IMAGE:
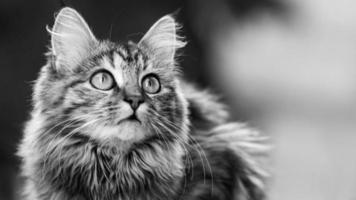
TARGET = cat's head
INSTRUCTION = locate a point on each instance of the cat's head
(108, 91)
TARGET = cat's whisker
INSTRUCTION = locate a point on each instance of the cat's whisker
(67, 124)
(184, 144)
(159, 134)
(199, 150)
(74, 131)
(188, 158)
(44, 165)
(180, 140)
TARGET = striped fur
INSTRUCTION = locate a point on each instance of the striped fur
(78, 146)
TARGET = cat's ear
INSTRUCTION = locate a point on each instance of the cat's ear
(71, 38)
(162, 40)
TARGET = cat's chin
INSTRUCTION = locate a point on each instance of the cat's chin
(126, 131)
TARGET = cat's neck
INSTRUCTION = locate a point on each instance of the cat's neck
(103, 172)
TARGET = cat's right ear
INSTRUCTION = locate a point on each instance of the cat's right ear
(71, 38)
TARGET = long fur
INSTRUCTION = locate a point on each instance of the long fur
(75, 147)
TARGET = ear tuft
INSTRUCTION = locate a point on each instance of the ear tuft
(71, 38)
(162, 40)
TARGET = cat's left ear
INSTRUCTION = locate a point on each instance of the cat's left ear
(162, 41)
(71, 38)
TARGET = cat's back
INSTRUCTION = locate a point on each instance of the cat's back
(224, 156)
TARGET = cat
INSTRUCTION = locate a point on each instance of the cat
(118, 122)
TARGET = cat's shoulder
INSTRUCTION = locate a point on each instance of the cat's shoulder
(205, 108)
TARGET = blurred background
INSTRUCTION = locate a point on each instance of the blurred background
(287, 67)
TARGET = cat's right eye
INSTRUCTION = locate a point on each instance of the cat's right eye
(102, 80)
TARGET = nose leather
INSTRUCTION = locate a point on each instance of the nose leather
(133, 96)
(134, 101)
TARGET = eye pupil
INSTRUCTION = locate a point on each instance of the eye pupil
(102, 80)
(151, 84)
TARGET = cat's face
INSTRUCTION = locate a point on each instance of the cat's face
(107, 91)
(121, 94)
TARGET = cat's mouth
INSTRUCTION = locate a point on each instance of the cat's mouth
(131, 118)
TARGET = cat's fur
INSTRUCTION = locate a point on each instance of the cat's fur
(74, 149)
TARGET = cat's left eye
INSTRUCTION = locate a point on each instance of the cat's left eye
(151, 84)
(102, 80)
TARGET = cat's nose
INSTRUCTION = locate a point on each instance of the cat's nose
(134, 101)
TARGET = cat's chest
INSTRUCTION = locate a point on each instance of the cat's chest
(94, 175)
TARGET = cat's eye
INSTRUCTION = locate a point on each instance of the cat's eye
(151, 84)
(102, 80)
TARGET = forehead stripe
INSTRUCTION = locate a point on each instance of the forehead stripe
(107, 62)
(118, 61)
